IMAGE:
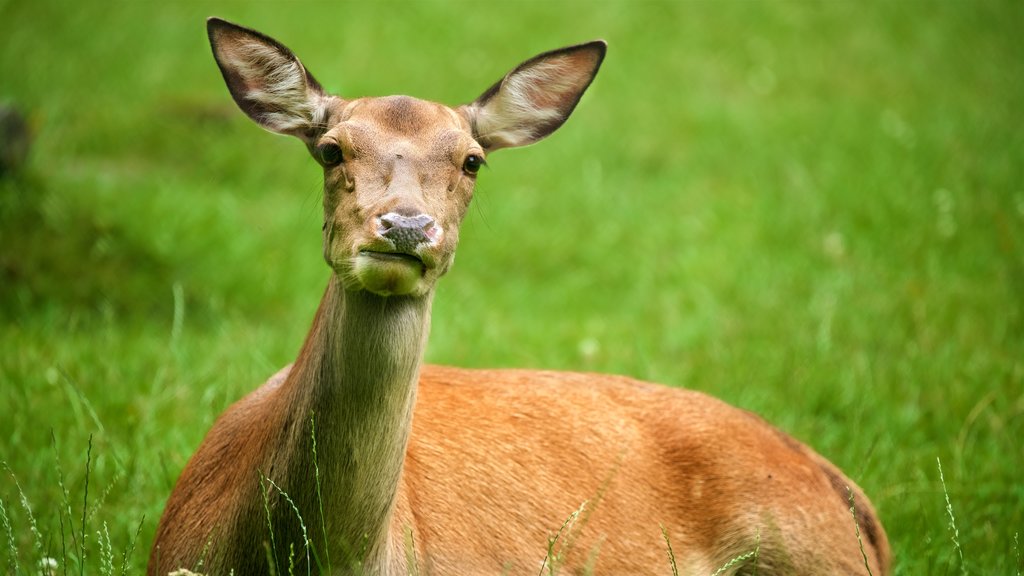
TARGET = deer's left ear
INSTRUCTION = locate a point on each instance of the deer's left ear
(535, 98)
(266, 80)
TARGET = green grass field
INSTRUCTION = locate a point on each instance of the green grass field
(811, 210)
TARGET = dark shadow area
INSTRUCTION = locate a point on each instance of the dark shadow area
(72, 262)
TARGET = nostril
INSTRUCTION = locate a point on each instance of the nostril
(390, 220)
(432, 231)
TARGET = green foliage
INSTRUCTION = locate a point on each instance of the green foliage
(813, 211)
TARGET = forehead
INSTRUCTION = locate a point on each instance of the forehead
(402, 115)
(373, 122)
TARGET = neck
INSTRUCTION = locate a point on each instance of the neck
(356, 378)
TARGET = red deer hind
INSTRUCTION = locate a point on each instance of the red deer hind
(432, 470)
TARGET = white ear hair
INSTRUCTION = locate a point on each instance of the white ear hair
(535, 98)
(266, 80)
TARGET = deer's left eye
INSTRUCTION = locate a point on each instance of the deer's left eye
(473, 163)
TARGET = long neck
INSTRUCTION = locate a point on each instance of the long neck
(356, 379)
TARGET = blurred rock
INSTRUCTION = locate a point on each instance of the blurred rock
(15, 139)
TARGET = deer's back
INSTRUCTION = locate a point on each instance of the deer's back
(507, 456)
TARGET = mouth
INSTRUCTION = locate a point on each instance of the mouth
(390, 273)
(393, 257)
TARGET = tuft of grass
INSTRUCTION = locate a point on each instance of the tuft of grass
(752, 555)
(71, 525)
(553, 559)
(302, 524)
(37, 536)
(12, 559)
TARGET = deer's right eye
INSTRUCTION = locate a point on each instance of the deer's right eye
(329, 154)
(473, 163)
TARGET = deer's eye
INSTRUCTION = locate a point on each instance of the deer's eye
(329, 154)
(473, 163)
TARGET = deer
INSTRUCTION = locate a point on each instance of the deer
(358, 458)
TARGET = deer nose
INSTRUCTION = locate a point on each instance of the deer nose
(407, 232)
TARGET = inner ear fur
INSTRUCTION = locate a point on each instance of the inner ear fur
(266, 80)
(536, 97)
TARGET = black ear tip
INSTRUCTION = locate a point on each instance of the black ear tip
(600, 47)
(215, 27)
(214, 24)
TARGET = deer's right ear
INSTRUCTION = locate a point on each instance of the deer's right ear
(266, 80)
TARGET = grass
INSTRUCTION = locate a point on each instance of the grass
(561, 542)
(955, 532)
(813, 211)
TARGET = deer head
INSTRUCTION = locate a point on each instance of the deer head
(399, 172)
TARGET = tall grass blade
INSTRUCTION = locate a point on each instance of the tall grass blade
(85, 508)
(126, 556)
(66, 503)
(106, 550)
(952, 520)
(63, 544)
(671, 555)
(856, 528)
(319, 498)
(272, 550)
(271, 559)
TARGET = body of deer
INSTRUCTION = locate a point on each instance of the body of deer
(359, 459)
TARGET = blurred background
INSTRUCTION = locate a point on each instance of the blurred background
(811, 210)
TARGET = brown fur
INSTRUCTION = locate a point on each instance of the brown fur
(499, 459)
(445, 471)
